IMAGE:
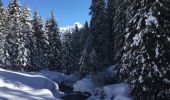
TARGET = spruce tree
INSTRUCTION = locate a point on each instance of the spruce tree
(29, 40)
(2, 35)
(15, 46)
(146, 58)
(67, 55)
(110, 16)
(86, 49)
(84, 35)
(41, 43)
(99, 34)
(76, 46)
(54, 53)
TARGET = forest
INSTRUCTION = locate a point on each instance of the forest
(131, 35)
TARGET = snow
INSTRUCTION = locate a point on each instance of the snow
(120, 97)
(140, 79)
(59, 77)
(78, 24)
(166, 81)
(115, 90)
(168, 39)
(137, 39)
(93, 98)
(55, 76)
(112, 92)
(24, 86)
(151, 19)
(10, 94)
(127, 35)
(157, 50)
(84, 85)
(111, 71)
(71, 28)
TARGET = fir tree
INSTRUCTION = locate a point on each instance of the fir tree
(120, 22)
(76, 46)
(15, 46)
(147, 58)
(29, 40)
(67, 55)
(85, 42)
(41, 43)
(54, 54)
(2, 35)
(99, 34)
(110, 16)
(84, 34)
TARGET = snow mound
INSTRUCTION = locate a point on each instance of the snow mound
(111, 72)
(55, 76)
(59, 77)
(111, 92)
(17, 84)
(39, 94)
(93, 98)
(120, 97)
(115, 90)
(85, 85)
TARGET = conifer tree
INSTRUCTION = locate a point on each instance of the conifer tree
(67, 55)
(99, 34)
(29, 40)
(41, 43)
(76, 46)
(120, 22)
(54, 53)
(84, 34)
(15, 46)
(85, 42)
(110, 16)
(2, 35)
(147, 43)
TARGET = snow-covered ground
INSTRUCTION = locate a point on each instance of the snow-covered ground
(24, 86)
(111, 92)
(86, 85)
(43, 85)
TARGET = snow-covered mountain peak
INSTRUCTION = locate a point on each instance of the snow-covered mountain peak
(71, 28)
(78, 25)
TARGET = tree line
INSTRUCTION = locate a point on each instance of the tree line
(135, 36)
(132, 34)
(29, 45)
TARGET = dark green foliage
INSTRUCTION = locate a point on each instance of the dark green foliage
(146, 57)
(54, 48)
(16, 52)
(29, 39)
(111, 10)
(41, 43)
(67, 55)
(99, 34)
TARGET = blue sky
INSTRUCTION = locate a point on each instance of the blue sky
(67, 11)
